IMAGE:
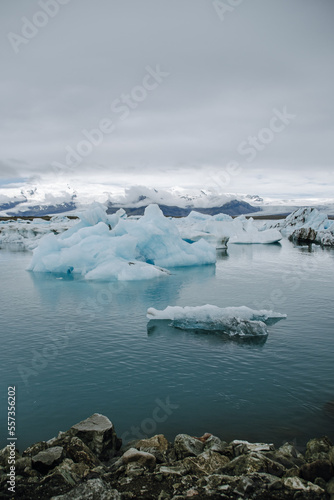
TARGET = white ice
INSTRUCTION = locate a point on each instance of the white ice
(25, 234)
(220, 229)
(112, 247)
(241, 321)
(308, 224)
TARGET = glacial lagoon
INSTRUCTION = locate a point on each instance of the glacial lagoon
(73, 348)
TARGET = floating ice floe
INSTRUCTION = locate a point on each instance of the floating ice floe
(221, 229)
(308, 225)
(25, 234)
(241, 321)
(113, 247)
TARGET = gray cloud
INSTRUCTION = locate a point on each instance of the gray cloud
(225, 79)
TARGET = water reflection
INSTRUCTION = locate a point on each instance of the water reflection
(222, 254)
(13, 247)
(54, 288)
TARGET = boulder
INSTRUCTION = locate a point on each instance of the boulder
(34, 449)
(330, 487)
(208, 462)
(289, 462)
(253, 462)
(297, 484)
(48, 459)
(242, 447)
(78, 451)
(22, 463)
(67, 473)
(318, 449)
(158, 442)
(290, 451)
(98, 433)
(156, 445)
(331, 455)
(319, 468)
(4, 455)
(141, 457)
(93, 489)
(173, 470)
(213, 443)
(218, 483)
(187, 446)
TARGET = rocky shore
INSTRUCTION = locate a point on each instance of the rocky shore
(89, 462)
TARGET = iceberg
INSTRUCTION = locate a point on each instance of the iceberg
(221, 229)
(308, 225)
(113, 247)
(24, 234)
(241, 321)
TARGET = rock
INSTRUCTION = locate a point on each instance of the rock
(293, 472)
(289, 462)
(289, 450)
(208, 462)
(48, 459)
(68, 473)
(78, 451)
(218, 483)
(213, 443)
(134, 469)
(295, 483)
(318, 468)
(242, 447)
(331, 455)
(174, 470)
(272, 482)
(318, 449)
(7, 453)
(156, 445)
(253, 462)
(164, 496)
(98, 433)
(187, 446)
(320, 482)
(203, 438)
(191, 493)
(35, 449)
(245, 485)
(94, 489)
(141, 457)
(330, 487)
(22, 463)
(158, 442)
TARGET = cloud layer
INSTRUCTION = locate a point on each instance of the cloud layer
(169, 92)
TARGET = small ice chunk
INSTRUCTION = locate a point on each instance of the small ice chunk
(241, 321)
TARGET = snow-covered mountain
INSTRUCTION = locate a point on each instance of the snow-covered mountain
(45, 199)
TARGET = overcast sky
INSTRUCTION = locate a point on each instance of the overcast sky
(175, 91)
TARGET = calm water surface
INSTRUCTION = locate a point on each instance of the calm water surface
(73, 348)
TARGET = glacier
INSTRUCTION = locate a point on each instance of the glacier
(114, 247)
(241, 321)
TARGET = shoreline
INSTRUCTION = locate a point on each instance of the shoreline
(89, 461)
(74, 217)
